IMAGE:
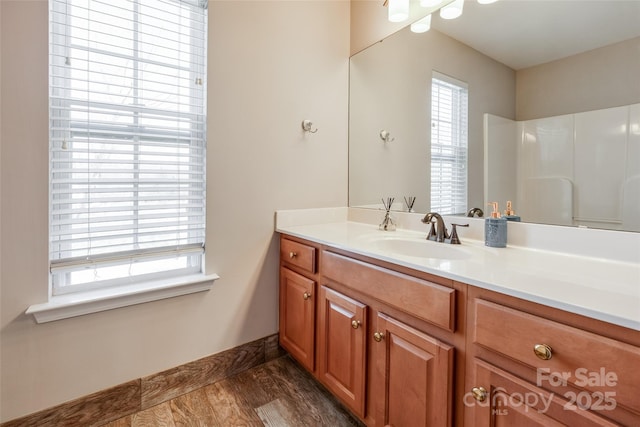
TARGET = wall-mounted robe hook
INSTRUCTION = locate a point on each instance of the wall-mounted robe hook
(307, 125)
(385, 136)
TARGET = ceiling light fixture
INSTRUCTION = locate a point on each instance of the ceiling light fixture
(452, 10)
(487, 1)
(398, 10)
(430, 3)
(422, 26)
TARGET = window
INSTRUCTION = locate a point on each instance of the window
(449, 130)
(127, 141)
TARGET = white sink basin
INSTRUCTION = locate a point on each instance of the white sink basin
(416, 247)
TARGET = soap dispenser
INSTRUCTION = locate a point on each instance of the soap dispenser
(509, 214)
(495, 229)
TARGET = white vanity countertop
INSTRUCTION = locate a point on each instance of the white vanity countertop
(595, 287)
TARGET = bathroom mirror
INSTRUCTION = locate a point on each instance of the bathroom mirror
(566, 60)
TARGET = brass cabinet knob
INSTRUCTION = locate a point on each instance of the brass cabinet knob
(292, 255)
(378, 336)
(543, 351)
(306, 296)
(355, 324)
(479, 393)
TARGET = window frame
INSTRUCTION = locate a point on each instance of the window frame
(449, 154)
(66, 128)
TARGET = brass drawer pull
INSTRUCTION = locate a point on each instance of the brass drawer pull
(292, 255)
(378, 336)
(479, 393)
(543, 351)
(306, 296)
(355, 324)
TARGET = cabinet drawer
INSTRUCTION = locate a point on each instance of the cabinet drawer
(511, 401)
(583, 359)
(298, 254)
(426, 300)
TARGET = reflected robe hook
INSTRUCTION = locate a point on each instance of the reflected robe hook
(386, 136)
(307, 125)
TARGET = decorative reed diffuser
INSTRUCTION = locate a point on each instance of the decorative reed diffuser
(409, 201)
(387, 223)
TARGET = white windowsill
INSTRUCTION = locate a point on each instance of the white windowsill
(78, 304)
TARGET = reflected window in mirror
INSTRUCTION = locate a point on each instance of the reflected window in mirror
(449, 144)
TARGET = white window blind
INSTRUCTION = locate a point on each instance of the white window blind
(449, 130)
(127, 140)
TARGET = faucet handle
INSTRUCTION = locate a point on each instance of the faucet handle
(453, 239)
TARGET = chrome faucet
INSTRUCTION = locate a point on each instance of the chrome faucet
(438, 231)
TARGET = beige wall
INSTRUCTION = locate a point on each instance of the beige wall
(271, 65)
(601, 78)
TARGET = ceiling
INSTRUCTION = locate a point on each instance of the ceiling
(524, 33)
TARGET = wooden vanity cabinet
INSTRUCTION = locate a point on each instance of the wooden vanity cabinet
(366, 332)
(405, 348)
(410, 371)
(297, 316)
(416, 374)
(534, 365)
(297, 299)
(342, 348)
(414, 370)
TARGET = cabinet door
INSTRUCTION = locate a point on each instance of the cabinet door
(498, 399)
(342, 348)
(297, 316)
(418, 374)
